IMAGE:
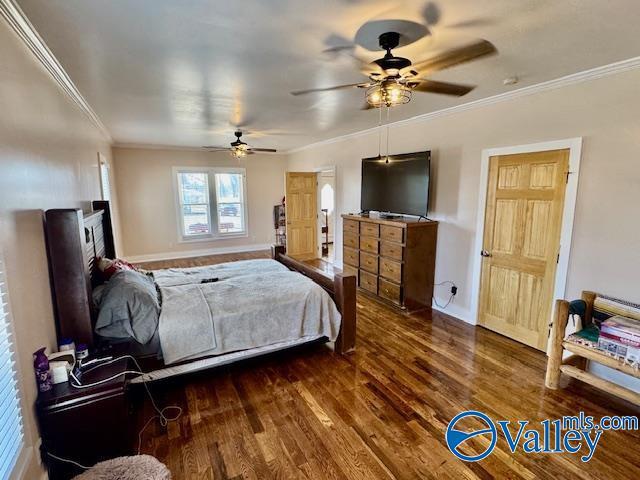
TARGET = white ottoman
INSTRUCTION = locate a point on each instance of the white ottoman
(137, 467)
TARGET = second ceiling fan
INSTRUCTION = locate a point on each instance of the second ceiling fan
(392, 79)
(239, 148)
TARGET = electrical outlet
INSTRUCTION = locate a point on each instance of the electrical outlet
(454, 290)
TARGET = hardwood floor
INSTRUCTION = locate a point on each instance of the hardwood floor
(380, 412)
(324, 265)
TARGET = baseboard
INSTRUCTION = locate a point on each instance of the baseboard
(29, 462)
(456, 312)
(154, 257)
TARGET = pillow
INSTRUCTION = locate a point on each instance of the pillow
(97, 294)
(129, 307)
(108, 267)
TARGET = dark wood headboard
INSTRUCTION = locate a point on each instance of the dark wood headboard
(74, 240)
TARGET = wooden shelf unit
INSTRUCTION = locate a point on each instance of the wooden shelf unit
(557, 366)
(393, 259)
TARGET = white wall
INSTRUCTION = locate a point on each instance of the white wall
(605, 253)
(145, 185)
(48, 159)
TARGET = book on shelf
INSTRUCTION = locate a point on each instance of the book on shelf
(620, 337)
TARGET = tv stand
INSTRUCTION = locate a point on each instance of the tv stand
(393, 259)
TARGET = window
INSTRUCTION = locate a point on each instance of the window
(105, 181)
(10, 415)
(211, 202)
(194, 203)
(326, 198)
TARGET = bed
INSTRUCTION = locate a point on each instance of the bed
(252, 308)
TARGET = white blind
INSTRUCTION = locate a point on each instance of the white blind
(10, 416)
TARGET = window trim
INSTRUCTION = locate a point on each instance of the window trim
(213, 204)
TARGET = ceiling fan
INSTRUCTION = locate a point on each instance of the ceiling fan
(393, 79)
(238, 148)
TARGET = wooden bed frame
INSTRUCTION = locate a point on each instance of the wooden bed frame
(74, 239)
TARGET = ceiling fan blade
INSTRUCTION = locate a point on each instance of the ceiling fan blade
(445, 88)
(326, 89)
(431, 13)
(339, 49)
(372, 70)
(366, 106)
(455, 56)
(336, 43)
(214, 148)
(472, 23)
(272, 150)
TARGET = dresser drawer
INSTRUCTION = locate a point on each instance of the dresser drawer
(369, 229)
(369, 262)
(368, 281)
(350, 257)
(349, 270)
(393, 234)
(350, 226)
(391, 270)
(369, 244)
(350, 240)
(389, 290)
(391, 250)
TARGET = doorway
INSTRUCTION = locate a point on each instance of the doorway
(524, 235)
(326, 180)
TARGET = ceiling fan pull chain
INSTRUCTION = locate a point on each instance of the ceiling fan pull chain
(380, 133)
(388, 108)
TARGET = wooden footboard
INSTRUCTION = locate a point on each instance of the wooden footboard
(342, 289)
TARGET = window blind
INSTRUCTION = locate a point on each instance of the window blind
(11, 434)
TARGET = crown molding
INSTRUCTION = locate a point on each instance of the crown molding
(21, 25)
(574, 78)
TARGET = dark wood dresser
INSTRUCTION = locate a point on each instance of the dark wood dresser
(392, 259)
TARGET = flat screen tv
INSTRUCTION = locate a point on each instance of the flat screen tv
(400, 186)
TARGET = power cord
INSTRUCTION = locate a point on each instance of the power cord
(66, 460)
(161, 412)
(454, 290)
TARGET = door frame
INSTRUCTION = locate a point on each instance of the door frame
(575, 152)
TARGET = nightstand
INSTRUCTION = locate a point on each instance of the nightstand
(86, 425)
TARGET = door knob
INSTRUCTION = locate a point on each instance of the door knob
(484, 253)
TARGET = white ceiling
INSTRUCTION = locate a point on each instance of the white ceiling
(182, 73)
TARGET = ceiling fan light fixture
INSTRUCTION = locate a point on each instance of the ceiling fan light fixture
(388, 94)
(239, 151)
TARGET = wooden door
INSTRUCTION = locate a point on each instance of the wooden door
(523, 219)
(301, 213)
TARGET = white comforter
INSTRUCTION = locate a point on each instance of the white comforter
(252, 305)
